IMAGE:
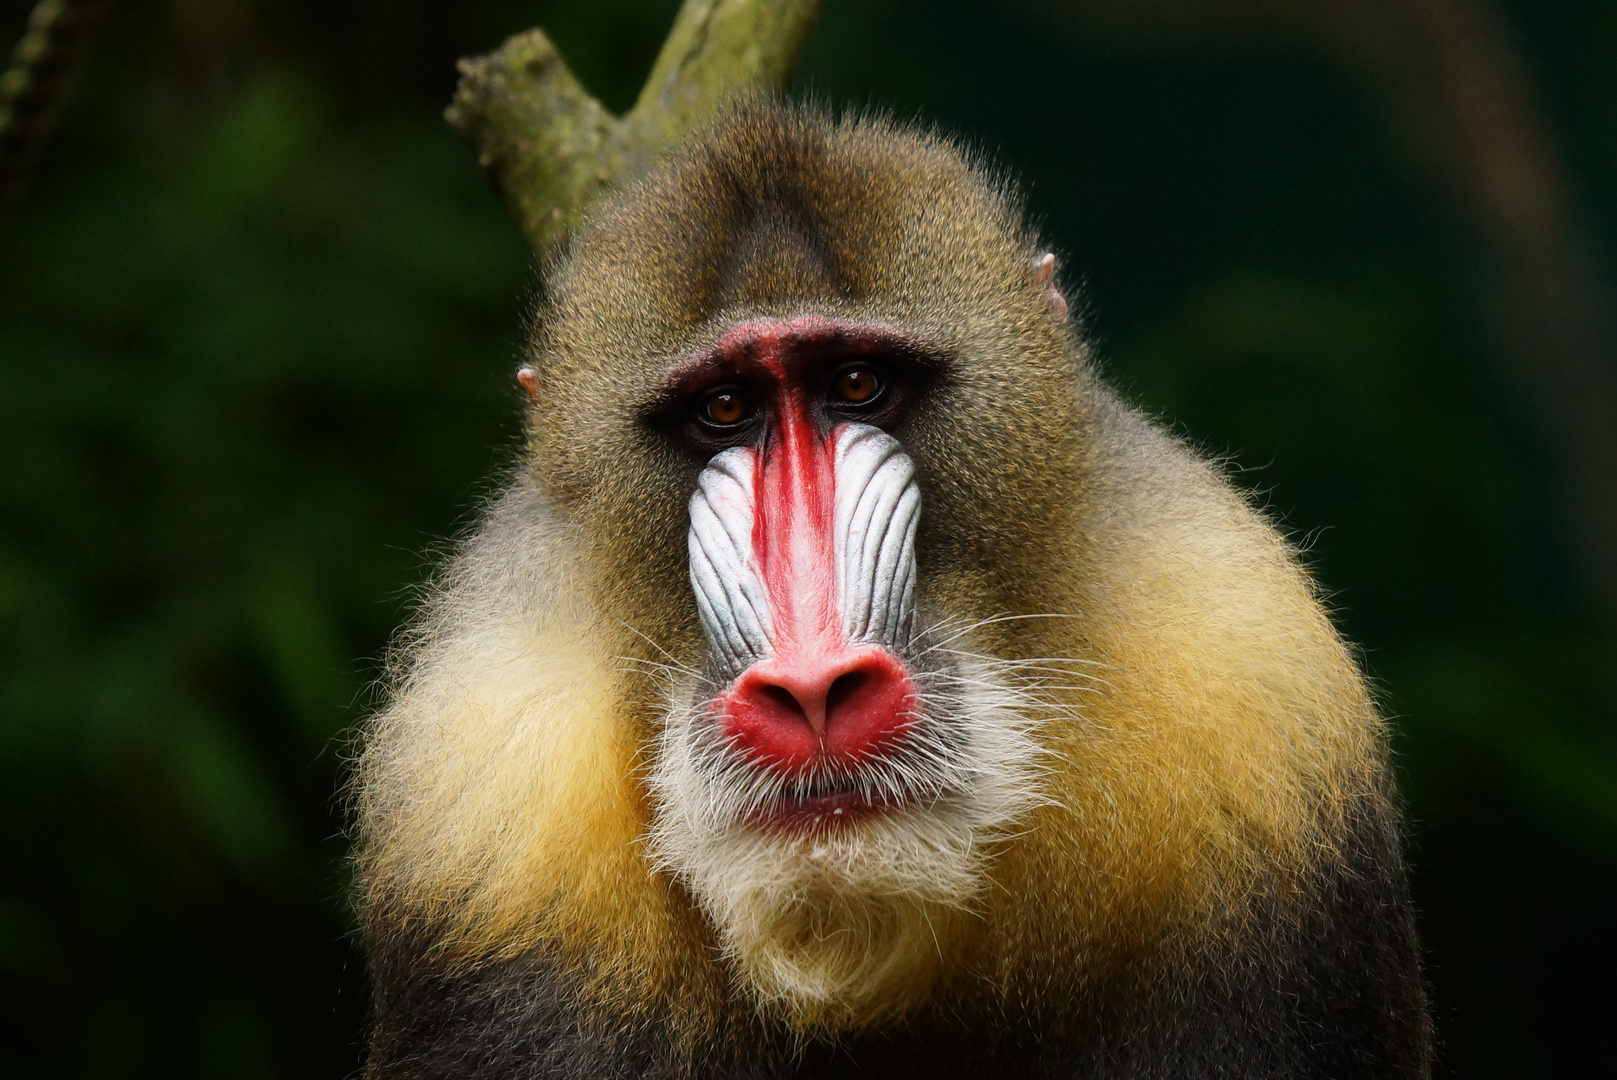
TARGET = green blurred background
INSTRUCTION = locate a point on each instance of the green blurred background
(258, 322)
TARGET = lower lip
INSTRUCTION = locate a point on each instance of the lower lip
(824, 811)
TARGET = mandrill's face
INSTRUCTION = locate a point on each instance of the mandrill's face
(804, 409)
(827, 782)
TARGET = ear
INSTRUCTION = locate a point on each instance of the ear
(529, 378)
(1044, 267)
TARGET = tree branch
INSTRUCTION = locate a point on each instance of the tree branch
(35, 86)
(551, 150)
(1454, 82)
(1449, 77)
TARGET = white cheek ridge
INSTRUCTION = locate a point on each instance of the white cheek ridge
(878, 506)
(725, 576)
(876, 513)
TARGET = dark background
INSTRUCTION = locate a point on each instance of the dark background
(259, 318)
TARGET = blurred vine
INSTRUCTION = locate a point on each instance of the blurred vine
(34, 89)
(1449, 79)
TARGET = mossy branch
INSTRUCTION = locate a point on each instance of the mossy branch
(551, 150)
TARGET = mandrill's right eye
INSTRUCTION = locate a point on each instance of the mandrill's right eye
(726, 407)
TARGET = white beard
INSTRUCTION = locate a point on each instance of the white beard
(841, 926)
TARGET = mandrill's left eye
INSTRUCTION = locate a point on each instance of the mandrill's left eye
(855, 385)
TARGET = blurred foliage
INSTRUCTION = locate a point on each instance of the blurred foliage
(257, 325)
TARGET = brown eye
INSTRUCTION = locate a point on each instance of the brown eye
(856, 385)
(726, 408)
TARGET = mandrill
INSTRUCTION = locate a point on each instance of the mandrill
(849, 684)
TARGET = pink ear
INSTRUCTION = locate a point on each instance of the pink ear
(1044, 267)
(529, 379)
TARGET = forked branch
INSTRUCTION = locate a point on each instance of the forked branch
(551, 149)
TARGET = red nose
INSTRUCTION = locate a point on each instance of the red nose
(847, 706)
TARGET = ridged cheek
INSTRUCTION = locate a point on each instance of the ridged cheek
(806, 546)
(725, 575)
(878, 507)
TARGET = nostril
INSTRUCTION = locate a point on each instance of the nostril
(847, 707)
(843, 690)
(784, 700)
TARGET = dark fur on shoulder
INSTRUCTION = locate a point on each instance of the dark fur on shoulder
(1328, 991)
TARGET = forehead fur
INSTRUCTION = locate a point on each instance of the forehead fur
(778, 205)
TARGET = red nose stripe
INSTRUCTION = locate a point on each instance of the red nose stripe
(791, 532)
(818, 697)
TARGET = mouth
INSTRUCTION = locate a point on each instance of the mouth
(826, 806)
